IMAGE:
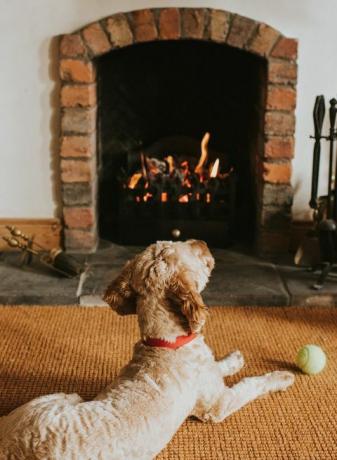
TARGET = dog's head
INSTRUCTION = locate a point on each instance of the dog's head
(166, 275)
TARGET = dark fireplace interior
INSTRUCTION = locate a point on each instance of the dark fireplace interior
(156, 101)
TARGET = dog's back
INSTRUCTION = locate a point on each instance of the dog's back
(123, 422)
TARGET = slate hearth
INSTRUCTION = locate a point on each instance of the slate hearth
(238, 279)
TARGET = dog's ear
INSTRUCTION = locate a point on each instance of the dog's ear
(183, 291)
(120, 295)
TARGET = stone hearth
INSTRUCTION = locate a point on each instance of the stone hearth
(78, 151)
(238, 279)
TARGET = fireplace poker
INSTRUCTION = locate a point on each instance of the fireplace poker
(319, 113)
(331, 138)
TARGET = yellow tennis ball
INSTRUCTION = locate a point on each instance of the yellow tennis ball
(311, 359)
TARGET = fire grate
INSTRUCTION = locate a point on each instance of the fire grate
(177, 196)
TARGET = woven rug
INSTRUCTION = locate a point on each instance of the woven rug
(76, 349)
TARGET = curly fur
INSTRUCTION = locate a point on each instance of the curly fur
(135, 417)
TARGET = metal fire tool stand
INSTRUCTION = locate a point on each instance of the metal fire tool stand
(325, 207)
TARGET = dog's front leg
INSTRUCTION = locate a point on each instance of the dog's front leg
(231, 363)
(250, 388)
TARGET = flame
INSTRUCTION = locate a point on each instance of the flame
(215, 168)
(134, 179)
(204, 153)
(170, 161)
(143, 162)
(164, 197)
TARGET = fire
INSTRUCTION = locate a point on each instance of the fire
(170, 161)
(134, 179)
(147, 196)
(215, 168)
(183, 199)
(142, 159)
(171, 179)
(204, 153)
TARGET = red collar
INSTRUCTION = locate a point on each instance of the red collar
(179, 341)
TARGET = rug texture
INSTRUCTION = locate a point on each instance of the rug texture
(75, 349)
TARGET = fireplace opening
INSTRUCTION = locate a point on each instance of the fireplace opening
(180, 130)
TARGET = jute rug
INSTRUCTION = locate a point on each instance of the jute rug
(52, 349)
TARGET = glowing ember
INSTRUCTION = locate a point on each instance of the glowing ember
(134, 179)
(147, 197)
(183, 199)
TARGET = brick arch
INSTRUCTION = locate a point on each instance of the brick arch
(78, 108)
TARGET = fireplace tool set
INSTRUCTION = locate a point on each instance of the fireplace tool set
(55, 259)
(325, 207)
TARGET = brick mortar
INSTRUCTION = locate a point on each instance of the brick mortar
(230, 24)
(287, 111)
(252, 36)
(90, 53)
(104, 21)
(278, 161)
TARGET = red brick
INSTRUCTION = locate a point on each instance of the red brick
(193, 20)
(78, 217)
(78, 95)
(78, 120)
(279, 147)
(264, 40)
(78, 146)
(119, 30)
(240, 32)
(77, 71)
(279, 123)
(144, 26)
(76, 171)
(219, 25)
(285, 48)
(96, 39)
(281, 98)
(282, 71)
(72, 46)
(277, 173)
(79, 240)
(169, 24)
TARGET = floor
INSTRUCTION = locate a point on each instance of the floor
(238, 279)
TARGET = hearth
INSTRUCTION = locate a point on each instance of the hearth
(143, 88)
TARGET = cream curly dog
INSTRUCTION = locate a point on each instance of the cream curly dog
(172, 374)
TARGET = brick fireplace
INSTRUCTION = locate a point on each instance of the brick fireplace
(273, 150)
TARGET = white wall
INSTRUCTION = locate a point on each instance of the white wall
(28, 88)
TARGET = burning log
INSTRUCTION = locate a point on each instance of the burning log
(174, 181)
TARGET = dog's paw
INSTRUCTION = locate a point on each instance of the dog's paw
(232, 363)
(279, 380)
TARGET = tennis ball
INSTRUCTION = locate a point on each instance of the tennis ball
(311, 359)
